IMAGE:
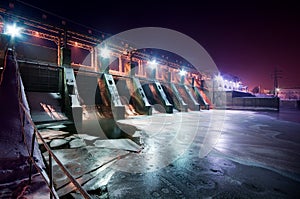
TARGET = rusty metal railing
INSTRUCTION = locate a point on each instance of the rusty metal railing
(24, 114)
(49, 181)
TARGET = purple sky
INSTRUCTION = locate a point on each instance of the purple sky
(244, 39)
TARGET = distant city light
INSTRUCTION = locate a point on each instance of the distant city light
(182, 72)
(105, 53)
(153, 64)
(13, 30)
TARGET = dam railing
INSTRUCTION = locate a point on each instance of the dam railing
(48, 178)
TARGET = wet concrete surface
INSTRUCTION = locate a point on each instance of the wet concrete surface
(256, 156)
(206, 154)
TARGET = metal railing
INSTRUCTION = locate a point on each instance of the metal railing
(49, 181)
(24, 114)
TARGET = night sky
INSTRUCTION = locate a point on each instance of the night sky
(248, 40)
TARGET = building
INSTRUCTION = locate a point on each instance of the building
(289, 93)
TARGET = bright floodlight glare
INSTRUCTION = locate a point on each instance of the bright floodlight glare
(105, 53)
(153, 64)
(219, 77)
(182, 72)
(13, 30)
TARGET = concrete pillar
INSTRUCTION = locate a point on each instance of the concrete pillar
(117, 107)
(96, 66)
(182, 79)
(92, 51)
(153, 73)
(193, 82)
(183, 106)
(127, 68)
(163, 97)
(202, 84)
(65, 54)
(72, 106)
(120, 64)
(168, 76)
(132, 69)
(142, 71)
(58, 52)
(196, 105)
(142, 96)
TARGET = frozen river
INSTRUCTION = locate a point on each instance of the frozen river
(206, 154)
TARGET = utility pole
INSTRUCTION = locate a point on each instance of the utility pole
(276, 75)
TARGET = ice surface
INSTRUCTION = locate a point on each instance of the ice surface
(123, 144)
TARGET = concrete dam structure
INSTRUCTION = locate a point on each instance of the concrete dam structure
(62, 97)
(82, 121)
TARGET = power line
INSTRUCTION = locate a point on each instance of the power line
(277, 74)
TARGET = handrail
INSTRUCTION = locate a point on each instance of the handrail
(51, 155)
(31, 151)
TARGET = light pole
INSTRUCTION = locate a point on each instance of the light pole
(277, 91)
(213, 90)
(132, 65)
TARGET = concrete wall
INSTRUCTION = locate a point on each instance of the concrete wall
(254, 102)
(290, 104)
(227, 101)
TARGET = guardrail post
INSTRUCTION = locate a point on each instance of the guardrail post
(51, 155)
(50, 175)
(31, 159)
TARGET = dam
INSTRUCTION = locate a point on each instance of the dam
(80, 121)
(78, 100)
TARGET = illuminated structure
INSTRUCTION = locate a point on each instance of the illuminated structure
(56, 48)
(227, 84)
(43, 39)
(289, 93)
